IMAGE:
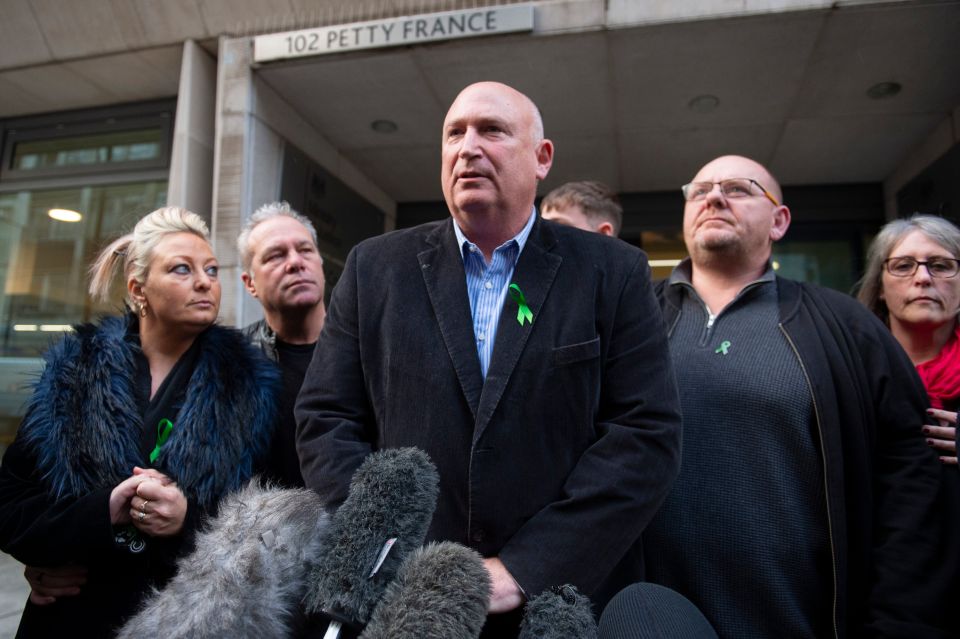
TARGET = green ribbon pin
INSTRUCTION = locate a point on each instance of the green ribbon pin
(164, 428)
(523, 312)
(723, 348)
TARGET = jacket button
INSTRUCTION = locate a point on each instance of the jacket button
(478, 536)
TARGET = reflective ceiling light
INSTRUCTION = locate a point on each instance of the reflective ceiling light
(703, 103)
(664, 263)
(64, 215)
(56, 328)
(883, 90)
(384, 126)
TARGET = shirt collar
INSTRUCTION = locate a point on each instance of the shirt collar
(520, 238)
(683, 274)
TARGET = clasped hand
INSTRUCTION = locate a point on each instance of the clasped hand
(150, 501)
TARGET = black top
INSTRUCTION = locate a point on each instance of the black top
(283, 464)
(167, 401)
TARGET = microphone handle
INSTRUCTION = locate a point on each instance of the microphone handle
(333, 630)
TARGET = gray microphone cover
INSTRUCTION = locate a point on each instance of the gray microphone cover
(384, 518)
(247, 574)
(441, 593)
(559, 613)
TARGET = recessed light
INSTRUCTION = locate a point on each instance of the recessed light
(883, 90)
(703, 103)
(64, 215)
(384, 126)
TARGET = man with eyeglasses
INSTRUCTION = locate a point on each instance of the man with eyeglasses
(805, 505)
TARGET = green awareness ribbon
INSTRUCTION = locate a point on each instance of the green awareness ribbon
(523, 312)
(164, 428)
(723, 348)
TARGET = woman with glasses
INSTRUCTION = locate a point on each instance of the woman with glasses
(137, 427)
(912, 284)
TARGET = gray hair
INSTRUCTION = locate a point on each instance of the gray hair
(262, 214)
(134, 251)
(935, 228)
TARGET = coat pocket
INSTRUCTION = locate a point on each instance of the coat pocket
(573, 353)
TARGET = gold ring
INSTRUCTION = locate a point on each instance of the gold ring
(143, 506)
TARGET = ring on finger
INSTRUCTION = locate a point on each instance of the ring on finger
(142, 515)
(143, 506)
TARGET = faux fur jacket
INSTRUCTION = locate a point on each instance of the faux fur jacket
(81, 437)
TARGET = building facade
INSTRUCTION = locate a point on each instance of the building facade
(109, 110)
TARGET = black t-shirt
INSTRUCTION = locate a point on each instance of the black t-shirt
(283, 464)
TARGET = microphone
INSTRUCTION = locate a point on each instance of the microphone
(558, 613)
(442, 590)
(649, 611)
(247, 573)
(384, 518)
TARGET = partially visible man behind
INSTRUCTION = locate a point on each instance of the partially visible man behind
(283, 269)
(805, 505)
(588, 205)
(526, 358)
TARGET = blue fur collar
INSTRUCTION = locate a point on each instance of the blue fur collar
(84, 426)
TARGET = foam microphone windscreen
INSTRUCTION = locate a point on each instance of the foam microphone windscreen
(247, 574)
(650, 611)
(559, 613)
(385, 517)
(441, 592)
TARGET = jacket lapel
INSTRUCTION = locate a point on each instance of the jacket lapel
(534, 274)
(445, 279)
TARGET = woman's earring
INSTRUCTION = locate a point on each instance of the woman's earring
(142, 309)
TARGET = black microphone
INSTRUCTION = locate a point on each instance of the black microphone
(442, 591)
(558, 613)
(649, 611)
(384, 518)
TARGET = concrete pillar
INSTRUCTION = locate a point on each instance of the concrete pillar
(191, 157)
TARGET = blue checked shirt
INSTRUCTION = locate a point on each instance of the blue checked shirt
(487, 285)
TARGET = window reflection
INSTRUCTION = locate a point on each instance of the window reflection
(88, 150)
(44, 262)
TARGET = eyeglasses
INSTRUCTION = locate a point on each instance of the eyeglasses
(936, 266)
(732, 188)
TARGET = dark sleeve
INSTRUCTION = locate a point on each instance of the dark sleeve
(41, 531)
(623, 477)
(332, 448)
(910, 570)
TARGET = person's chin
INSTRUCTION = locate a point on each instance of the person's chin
(301, 300)
(716, 240)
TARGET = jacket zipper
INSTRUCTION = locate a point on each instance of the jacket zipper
(826, 484)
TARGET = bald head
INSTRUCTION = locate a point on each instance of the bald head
(493, 155)
(739, 166)
(734, 231)
(508, 95)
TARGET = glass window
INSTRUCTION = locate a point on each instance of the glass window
(44, 261)
(88, 150)
(43, 266)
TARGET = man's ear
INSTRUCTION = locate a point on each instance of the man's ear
(248, 283)
(781, 222)
(605, 228)
(544, 158)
